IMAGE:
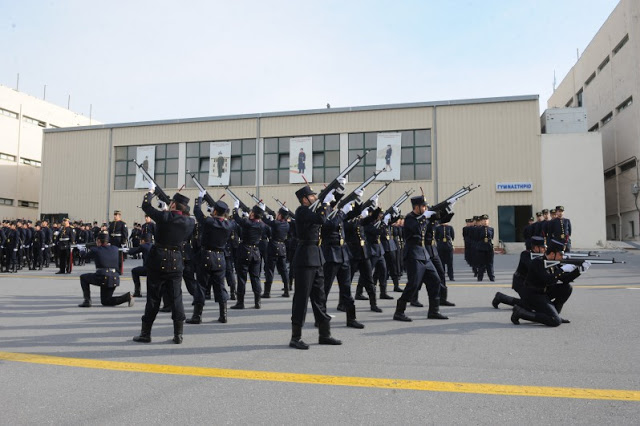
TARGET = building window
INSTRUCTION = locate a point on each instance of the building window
(579, 97)
(628, 165)
(243, 162)
(33, 121)
(326, 157)
(622, 42)
(7, 157)
(590, 79)
(6, 202)
(627, 102)
(28, 204)
(603, 63)
(197, 162)
(8, 113)
(29, 162)
(608, 174)
(595, 127)
(358, 143)
(166, 167)
(607, 118)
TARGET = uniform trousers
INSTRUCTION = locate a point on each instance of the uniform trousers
(420, 272)
(252, 267)
(106, 293)
(309, 285)
(342, 272)
(545, 311)
(159, 284)
(273, 262)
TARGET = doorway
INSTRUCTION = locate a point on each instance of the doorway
(511, 222)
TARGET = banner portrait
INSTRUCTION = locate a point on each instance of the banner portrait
(219, 163)
(300, 159)
(146, 157)
(388, 156)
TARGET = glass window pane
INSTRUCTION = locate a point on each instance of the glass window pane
(318, 160)
(423, 171)
(422, 154)
(332, 142)
(248, 162)
(368, 171)
(121, 168)
(353, 155)
(248, 178)
(407, 138)
(317, 143)
(204, 178)
(283, 176)
(423, 137)
(236, 147)
(188, 182)
(131, 182)
(330, 173)
(283, 145)
(248, 146)
(131, 152)
(172, 150)
(235, 178)
(120, 182)
(356, 140)
(271, 145)
(369, 159)
(407, 155)
(121, 153)
(193, 149)
(356, 175)
(332, 158)
(318, 175)
(160, 166)
(204, 164)
(204, 149)
(172, 166)
(236, 163)
(371, 140)
(192, 164)
(271, 161)
(131, 168)
(406, 172)
(270, 177)
(161, 151)
(284, 161)
(172, 181)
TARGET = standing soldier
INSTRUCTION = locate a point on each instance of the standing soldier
(276, 251)
(11, 249)
(165, 263)
(560, 228)
(148, 229)
(118, 233)
(484, 246)
(444, 235)
(66, 237)
(140, 271)
(397, 272)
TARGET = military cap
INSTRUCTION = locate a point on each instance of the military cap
(418, 201)
(554, 245)
(179, 198)
(284, 212)
(304, 192)
(103, 236)
(468, 220)
(552, 211)
(257, 211)
(545, 211)
(560, 208)
(220, 206)
(115, 212)
(531, 219)
(484, 217)
(538, 214)
(476, 218)
(537, 241)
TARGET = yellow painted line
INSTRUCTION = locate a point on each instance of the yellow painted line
(364, 382)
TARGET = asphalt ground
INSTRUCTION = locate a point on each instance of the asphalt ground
(61, 364)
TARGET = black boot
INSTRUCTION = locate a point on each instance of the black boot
(383, 293)
(267, 291)
(223, 312)
(232, 295)
(256, 301)
(296, 338)
(359, 295)
(444, 291)
(396, 286)
(372, 302)
(341, 307)
(503, 298)
(239, 303)
(434, 309)
(325, 335)
(286, 291)
(399, 315)
(85, 304)
(351, 318)
(178, 327)
(521, 313)
(145, 334)
(136, 290)
(196, 318)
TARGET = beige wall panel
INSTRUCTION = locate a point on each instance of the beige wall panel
(29, 178)
(31, 142)
(69, 183)
(627, 128)
(185, 132)
(346, 122)
(9, 132)
(8, 176)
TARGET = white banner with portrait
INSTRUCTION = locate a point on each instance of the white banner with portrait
(146, 157)
(300, 159)
(219, 163)
(388, 156)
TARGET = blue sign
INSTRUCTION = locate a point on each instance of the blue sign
(514, 186)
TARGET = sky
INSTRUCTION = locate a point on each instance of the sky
(127, 61)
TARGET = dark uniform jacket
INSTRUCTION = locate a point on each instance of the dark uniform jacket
(107, 260)
(334, 247)
(484, 238)
(118, 233)
(308, 227)
(355, 234)
(144, 249)
(415, 228)
(252, 230)
(444, 235)
(279, 233)
(540, 278)
(66, 237)
(215, 234)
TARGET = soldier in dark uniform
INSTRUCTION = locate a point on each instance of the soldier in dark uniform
(468, 223)
(215, 232)
(165, 263)
(390, 248)
(373, 233)
(248, 255)
(527, 233)
(276, 252)
(444, 235)
(309, 275)
(547, 288)
(230, 250)
(140, 271)
(302, 158)
(118, 233)
(148, 228)
(11, 249)
(47, 241)
(38, 246)
(107, 276)
(66, 237)
(420, 270)
(559, 228)
(484, 246)
(396, 272)
(292, 243)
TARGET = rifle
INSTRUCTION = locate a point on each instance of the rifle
(352, 196)
(334, 183)
(282, 206)
(380, 190)
(404, 197)
(243, 206)
(158, 192)
(207, 198)
(579, 262)
(443, 208)
(574, 254)
(259, 201)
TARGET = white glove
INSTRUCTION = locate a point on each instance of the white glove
(359, 193)
(125, 249)
(209, 209)
(202, 193)
(341, 183)
(262, 206)
(163, 206)
(152, 187)
(568, 268)
(386, 219)
(428, 213)
(268, 217)
(244, 214)
(329, 198)
(364, 213)
(347, 208)
(586, 265)
(374, 201)
(15, 249)
(236, 204)
(396, 211)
